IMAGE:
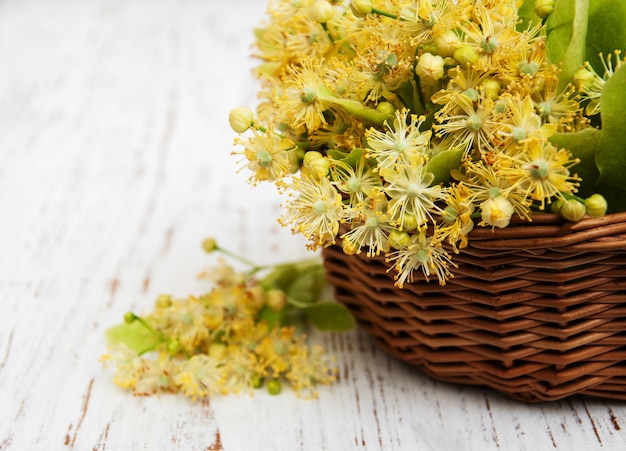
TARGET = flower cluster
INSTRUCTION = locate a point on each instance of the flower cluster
(224, 341)
(396, 126)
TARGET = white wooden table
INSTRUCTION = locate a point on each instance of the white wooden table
(115, 164)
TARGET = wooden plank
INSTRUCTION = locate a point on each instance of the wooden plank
(115, 165)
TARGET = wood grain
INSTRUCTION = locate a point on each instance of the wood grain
(115, 164)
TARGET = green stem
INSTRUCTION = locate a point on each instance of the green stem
(160, 335)
(383, 13)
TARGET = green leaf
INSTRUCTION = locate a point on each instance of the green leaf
(611, 154)
(307, 286)
(133, 335)
(330, 316)
(442, 163)
(606, 31)
(582, 145)
(272, 317)
(567, 34)
(351, 159)
(280, 278)
(527, 15)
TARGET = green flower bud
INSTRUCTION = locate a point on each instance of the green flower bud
(164, 301)
(274, 387)
(447, 43)
(255, 297)
(409, 222)
(596, 205)
(316, 164)
(217, 351)
(361, 8)
(257, 381)
(555, 207)
(321, 11)
(241, 119)
(398, 239)
(572, 210)
(429, 67)
(465, 55)
(209, 245)
(173, 347)
(386, 108)
(491, 87)
(584, 78)
(129, 317)
(543, 8)
(276, 300)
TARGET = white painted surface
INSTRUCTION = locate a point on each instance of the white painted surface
(114, 165)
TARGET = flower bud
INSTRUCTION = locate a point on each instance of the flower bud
(321, 11)
(129, 317)
(555, 207)
(543, 8)
(497, 211)
(276, 300)
(465, 55)
(349, 247)
(164, 301)
(361, 7)
(447, 43)
(217, 351)
(385, 108)
(209, 245)
(584, 79)
(241, 119)
(572, 210)
(173, 347)
(409, 222)
(398, 239)
(491, 87)
(430, 67)
(255, 297)
(596, 205)
(274, 387)
(315, 164)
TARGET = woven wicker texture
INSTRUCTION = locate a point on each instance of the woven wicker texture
(535, 311)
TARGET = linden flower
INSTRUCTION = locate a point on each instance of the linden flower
(402, 144)
(309, 367)
(592, 84)
(521, 121)
(542, 171)
(422, 253)
(267, 155)
(200, 376)
(471, 124)
(300, 102)
(369, 225)
(411, 194)
(315, 211)
(358, 182)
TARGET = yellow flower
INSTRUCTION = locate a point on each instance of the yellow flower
(403, 144)
(358, 182)
(411, 193)
(315, 211)
(541, 171)
(300, 102)
(423, 253)
(369, 225)
(266, 154)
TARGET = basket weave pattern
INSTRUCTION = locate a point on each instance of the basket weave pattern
(535, 311)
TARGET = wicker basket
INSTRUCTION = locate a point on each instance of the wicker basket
(535, 311)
